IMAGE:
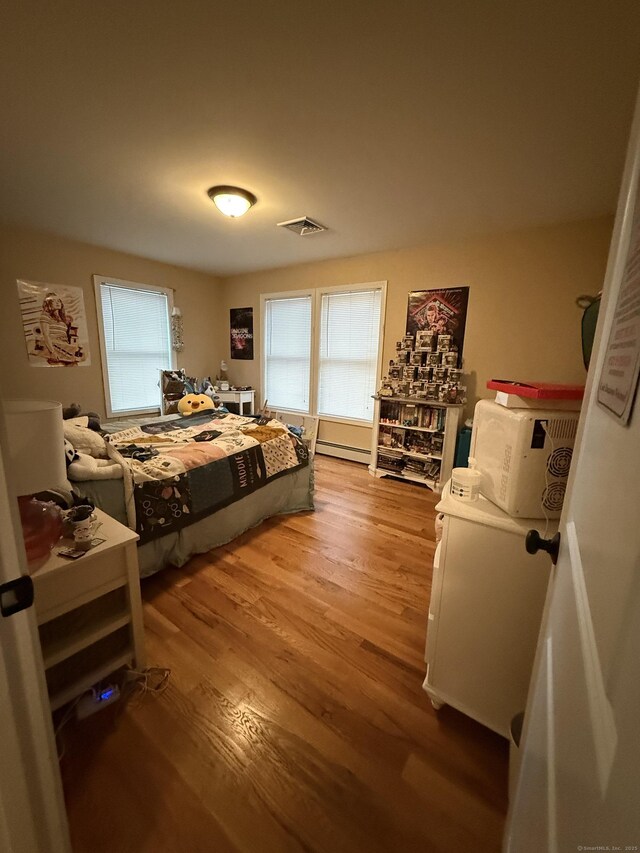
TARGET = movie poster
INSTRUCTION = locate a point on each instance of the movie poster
(54, 324)
(441, 311)
(241, 333)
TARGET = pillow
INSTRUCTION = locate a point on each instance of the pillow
(83, 439)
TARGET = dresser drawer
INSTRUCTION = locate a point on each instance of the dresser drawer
(78, 582)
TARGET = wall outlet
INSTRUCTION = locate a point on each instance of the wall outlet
(96, 700)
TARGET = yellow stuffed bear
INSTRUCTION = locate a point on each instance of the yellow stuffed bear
(193, 403)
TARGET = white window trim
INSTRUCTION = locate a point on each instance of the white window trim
(287, 294)
(316, 302)
(99, 280)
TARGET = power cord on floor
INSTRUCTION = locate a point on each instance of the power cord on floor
(136, 683)
(60, 745)
(152, 679)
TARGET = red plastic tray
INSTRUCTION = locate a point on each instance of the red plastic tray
(537, 390)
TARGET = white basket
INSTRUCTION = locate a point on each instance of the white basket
(465, 484)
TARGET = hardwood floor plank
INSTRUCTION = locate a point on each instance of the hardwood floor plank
(294, 719)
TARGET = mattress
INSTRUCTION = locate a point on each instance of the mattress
(291, 492)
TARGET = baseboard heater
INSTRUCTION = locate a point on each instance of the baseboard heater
(344, 451)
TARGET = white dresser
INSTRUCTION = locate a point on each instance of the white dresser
(486, 607)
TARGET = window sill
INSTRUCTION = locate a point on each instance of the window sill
(128, 413)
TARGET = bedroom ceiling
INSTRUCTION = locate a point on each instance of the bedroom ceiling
(394, 124)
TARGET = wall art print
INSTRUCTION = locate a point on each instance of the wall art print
(54, 324)
(442, 311)
(241, 325)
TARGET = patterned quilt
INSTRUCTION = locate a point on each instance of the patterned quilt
(178, 471)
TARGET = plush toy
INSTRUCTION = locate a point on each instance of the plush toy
(73, 410)
(193, 403)
(85, 467)
(70, 454)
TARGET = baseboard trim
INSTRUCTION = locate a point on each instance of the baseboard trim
(344, 451)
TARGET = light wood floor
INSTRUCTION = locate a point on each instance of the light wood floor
(295, 718)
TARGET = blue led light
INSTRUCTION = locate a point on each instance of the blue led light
(106, 694)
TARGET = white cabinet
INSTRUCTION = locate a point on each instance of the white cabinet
(89, 613)
(485, 612)
(414, 439)
(241, 399)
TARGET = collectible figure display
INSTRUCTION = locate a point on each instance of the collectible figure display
(426, 368)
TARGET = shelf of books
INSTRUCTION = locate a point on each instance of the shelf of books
(418, 407)
(414, 440)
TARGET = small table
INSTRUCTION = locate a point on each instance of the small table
(105, 631)
(239, 399)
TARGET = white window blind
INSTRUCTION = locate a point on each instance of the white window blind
(287, 352)
(348, 357)
(137, 344)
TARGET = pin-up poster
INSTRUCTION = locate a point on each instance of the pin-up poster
(241, 333)
(442, 311)
(54, 324)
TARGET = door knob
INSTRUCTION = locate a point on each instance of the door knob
(534, 543)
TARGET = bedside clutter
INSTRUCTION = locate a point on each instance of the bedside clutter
(89, 612)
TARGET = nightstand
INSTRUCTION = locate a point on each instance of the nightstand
(89, 612)
(239, 399)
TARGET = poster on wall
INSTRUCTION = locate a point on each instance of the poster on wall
(441, 311)
(54, 324)
(241, 333)
(618, 382)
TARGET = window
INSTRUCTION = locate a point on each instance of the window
(321, 350)
(287, 352)
(135, 341)
(348, 353)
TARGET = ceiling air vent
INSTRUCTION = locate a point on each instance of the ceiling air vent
(302, 226)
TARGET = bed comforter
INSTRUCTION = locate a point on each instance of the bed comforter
(177, 472)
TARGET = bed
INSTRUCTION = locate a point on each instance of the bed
(189, 484)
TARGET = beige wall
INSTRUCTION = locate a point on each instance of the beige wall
(43, 257)
(522, 321)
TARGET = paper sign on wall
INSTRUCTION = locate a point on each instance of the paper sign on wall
(619, 377)
(54, 324)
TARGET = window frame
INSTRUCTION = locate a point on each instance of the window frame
(287, 294)
(316, 294)
(98, 281)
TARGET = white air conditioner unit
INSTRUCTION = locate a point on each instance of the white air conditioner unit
(524, 456)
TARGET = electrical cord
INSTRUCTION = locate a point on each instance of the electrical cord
(152, 679)
(544, 425)
(60, 745)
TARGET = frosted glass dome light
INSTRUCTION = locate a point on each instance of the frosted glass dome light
(232, 201)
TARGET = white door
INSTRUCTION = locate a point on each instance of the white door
(32, 815)
(579, 783)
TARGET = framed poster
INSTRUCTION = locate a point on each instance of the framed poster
(54, 324)
(618, 381)
(443, 312)
(241, 326)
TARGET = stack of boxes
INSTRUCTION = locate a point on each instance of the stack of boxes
(426, 367)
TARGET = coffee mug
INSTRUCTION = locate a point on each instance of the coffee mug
(77, 517)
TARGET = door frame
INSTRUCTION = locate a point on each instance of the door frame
(32, 812)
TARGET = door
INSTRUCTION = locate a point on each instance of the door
(32, 815)
(579, 787)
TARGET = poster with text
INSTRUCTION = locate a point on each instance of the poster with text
(241, 333)
(618, 383)
(442, 311)
(54, 324)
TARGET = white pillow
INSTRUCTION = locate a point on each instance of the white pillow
(83, 439)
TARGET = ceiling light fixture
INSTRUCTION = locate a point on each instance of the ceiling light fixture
(232, 201)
